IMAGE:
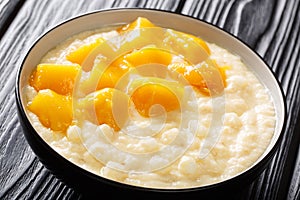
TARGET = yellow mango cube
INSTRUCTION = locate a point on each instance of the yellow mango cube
(199, 41)
(204, 77)
(53, 110)
(140, 22)
(194, 49)
(57, 77)
(118, 69)
(106, 106)
(149, 56)
(79, 55)
(112, 74)
(148, 92)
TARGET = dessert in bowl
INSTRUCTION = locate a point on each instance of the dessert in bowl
(148, 101)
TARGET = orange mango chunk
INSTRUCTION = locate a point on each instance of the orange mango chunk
(194, 49)
(148, 56)
(79, 55)
(194, 75)
(155, 91)
(140, 22)
(53, 110)
(112, 74)
(57, 77)
(107, 106)
(110, 77)
(199, 41)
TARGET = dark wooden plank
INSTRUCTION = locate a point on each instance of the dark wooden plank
(270, 27)
(8, 10)
(294, 190)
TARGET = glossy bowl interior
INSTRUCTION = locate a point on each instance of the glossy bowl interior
(90, 183)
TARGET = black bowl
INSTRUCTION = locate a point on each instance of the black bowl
(90, 184)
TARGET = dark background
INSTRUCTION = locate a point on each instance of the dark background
(270, 27)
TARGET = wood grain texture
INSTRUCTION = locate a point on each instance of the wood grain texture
(8, 10)
(270, 27)
(294, 189)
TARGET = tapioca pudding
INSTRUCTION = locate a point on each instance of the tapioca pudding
(150, 106)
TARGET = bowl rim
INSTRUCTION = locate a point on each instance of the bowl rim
(242, 175)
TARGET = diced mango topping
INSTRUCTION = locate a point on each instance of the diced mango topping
(154, 91)
(108, 105)
(79, 55)
(148, 56)
(122, 65)
(200, 42)
(192, 48)
(194, 75)
(112, 74)
(140, 22)
(53, 110)
(57, 77)
(100, 100)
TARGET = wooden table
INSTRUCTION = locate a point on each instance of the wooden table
(270, 27)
